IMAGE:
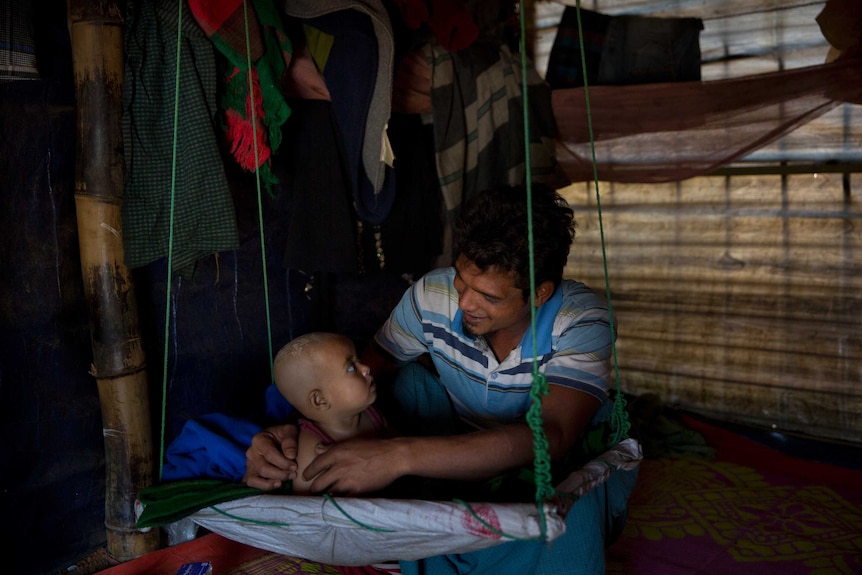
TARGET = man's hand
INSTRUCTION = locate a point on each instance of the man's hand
(364, 465)
(354, 466)
(271, 459)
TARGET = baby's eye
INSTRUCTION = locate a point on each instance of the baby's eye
(351, 368)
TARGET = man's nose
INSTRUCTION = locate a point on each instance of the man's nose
(466, 301)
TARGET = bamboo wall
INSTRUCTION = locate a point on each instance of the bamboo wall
(737, 296)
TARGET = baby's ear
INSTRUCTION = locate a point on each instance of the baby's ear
(318, 399)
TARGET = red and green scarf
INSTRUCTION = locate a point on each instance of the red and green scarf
(224, 22)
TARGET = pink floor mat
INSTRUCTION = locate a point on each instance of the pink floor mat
(750, 510)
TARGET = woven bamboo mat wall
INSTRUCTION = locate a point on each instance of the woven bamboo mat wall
(738, 297)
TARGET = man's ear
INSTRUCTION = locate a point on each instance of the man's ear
(317, 399)
(544, 291)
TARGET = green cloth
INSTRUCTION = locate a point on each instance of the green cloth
(257, 34)
(662, 434)
(170, 502)
(204, 216)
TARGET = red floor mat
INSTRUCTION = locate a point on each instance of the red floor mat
(227, 558)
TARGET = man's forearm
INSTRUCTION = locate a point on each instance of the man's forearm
(484, 454)
(364, 465)
(477, 455)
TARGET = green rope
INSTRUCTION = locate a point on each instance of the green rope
(539, 387)
(331, 499)
(170, 241)
(248, 520)
(171, 220)
(259, 196)
(619, 419)
(282, 524)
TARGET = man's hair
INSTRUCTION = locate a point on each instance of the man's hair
(492, 233)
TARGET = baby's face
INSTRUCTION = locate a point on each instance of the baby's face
(348, 383)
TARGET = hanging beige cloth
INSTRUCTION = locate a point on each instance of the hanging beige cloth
(667, 132)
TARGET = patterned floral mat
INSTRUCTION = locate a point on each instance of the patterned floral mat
(750, 510)
(274, 564)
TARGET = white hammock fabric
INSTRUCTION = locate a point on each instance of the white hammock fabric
(363, 531)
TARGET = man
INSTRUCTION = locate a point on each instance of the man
(474, 320)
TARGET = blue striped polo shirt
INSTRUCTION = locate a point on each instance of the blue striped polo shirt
(573, 344)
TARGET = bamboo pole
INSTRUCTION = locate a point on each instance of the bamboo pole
(119, 364)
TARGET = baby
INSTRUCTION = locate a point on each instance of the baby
(320, 375)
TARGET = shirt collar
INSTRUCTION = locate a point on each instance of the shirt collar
(546, 314)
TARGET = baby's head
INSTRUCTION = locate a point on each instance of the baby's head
(320, 375)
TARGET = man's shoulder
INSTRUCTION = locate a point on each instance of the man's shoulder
(578, 301)
(435, 287)
(430, 298)
(577, 293)
(438, 276)
(582, 320)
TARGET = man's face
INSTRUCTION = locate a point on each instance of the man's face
(489, 301)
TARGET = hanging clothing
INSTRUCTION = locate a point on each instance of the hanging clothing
(203, 211)
(477, 109)
(253, 115)
(357, 65)
(321, 234)
(449, 20)
(412, 235)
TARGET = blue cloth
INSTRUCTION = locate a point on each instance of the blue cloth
(278, 409)
(594, 521)
(213, 445)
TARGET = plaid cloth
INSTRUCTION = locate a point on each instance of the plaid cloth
(477, 106)
(17, 42)
(204, 218)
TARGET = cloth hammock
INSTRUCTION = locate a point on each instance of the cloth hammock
(205, 465)
(363, 531)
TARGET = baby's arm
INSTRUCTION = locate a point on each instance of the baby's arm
(306, 445)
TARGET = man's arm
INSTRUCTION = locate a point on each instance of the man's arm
(361, 466)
